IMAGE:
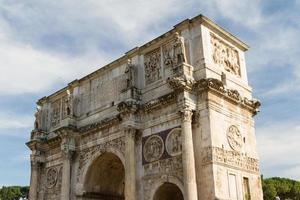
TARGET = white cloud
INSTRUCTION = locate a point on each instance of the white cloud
(278, 145)
(11, 121)
(26, 68)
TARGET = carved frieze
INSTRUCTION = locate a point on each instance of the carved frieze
(153, 148)
(235, 138)
(225, 56)
(160, 170)
(152, 62)
(89, 154)
(169, 165)
(229, 158)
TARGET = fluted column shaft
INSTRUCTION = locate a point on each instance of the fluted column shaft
(189, 173)
(130, 165)
(66, 176)
(34, 180)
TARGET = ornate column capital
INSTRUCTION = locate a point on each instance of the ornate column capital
(186, 114)
(68, 148)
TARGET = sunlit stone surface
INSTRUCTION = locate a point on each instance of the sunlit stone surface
(170, 120)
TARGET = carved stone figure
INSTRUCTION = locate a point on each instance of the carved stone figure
(179, 50)
(234, 138)
(225, 56)
(38, 118)
(69, 104)
(173, 142)
(153, 148)
(129, 72)
(152, 66)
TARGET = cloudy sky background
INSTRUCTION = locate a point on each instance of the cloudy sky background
(46, 44)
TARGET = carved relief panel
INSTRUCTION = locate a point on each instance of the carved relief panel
(55, 114)
(225, 56)
(152, 63)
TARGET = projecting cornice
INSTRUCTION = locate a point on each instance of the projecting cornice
(216, 86)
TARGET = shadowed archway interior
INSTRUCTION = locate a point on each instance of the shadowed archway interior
(168, 191)
(105, 179)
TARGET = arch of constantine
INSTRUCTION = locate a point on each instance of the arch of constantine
(170, 120)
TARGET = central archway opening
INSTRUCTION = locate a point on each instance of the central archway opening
(105, 179)
(168, 191)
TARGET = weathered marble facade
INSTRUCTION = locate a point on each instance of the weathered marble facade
(172, 120)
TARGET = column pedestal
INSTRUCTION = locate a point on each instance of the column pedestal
(188, 159)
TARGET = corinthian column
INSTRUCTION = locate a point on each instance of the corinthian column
(189, 173)
(130, 179)
(68, 148)
(66, 176)
(33, 179)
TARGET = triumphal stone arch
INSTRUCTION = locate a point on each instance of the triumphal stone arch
(170, 120)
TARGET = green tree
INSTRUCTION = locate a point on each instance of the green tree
(282, 187)
(13, 192)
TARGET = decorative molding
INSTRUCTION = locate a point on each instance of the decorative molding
(217, 86)
(181, 83)
(159, 102)
(126, 107)
(216, 155)
(105, 123)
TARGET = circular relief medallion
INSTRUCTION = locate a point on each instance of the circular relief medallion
(234, 138)
(173, 142)
(153, 148)
(51, 177)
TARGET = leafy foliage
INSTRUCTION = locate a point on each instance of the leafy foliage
(281, 187)
(13, 192)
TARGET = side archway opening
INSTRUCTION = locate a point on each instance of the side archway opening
(105, 178)
(168, 191)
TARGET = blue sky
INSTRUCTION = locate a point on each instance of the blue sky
(46, 44)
